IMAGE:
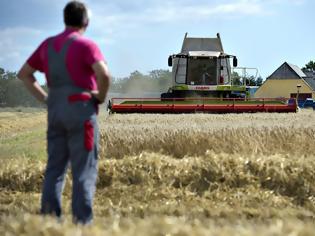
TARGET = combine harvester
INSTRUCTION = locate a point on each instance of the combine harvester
(202, 82)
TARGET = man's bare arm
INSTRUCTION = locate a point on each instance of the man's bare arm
(26, 74)
(103, 80)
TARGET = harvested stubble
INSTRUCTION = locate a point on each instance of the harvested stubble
(18, 120)
(184, 175)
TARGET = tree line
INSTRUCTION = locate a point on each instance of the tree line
(156, 81)
(13, 93)
(250, 80)
(310, 66)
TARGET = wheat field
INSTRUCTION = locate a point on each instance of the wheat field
(192, 174)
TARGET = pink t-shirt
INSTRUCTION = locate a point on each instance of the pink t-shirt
(81, 55)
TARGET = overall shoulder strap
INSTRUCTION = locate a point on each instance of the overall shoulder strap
(66, 45)
(51, 49)
(58, 71)
(64, 48)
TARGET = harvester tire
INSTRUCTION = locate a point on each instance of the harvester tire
(166, 96)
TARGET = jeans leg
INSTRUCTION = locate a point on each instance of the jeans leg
(55, 172)
(84, 173)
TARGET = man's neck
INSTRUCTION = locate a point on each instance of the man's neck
(77, 29)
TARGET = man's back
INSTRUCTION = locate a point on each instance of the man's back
(80, 57)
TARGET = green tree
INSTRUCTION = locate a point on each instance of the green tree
(156, 81)
(136, 75)
(259, 81)
(163, 78)
(310, 66)
(236, 79)
(13, 92)
(135, 83)
(158, 74)
(3, 87)
(116, 85)
(2, 72)
(251, 81)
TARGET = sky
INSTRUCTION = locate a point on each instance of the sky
(141, 34)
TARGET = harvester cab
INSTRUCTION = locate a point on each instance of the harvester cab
(202, 68)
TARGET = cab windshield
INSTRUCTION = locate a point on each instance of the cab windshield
(202, 71)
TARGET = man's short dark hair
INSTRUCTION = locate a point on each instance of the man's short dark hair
(75, 14)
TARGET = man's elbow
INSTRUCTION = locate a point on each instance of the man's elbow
(20, 75)
(26, 73)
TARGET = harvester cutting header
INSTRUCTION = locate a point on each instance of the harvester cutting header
(202, 82)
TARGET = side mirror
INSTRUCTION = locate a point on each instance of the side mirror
(170, 61)
(234, 62)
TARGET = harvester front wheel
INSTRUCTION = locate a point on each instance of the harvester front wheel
(166, 96)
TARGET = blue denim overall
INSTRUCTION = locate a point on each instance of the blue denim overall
(72, 139)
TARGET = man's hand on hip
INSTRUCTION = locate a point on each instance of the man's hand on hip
(26, 74)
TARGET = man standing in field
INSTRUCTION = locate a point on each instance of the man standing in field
(78, 80)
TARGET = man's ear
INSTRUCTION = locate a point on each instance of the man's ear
(86, 23)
